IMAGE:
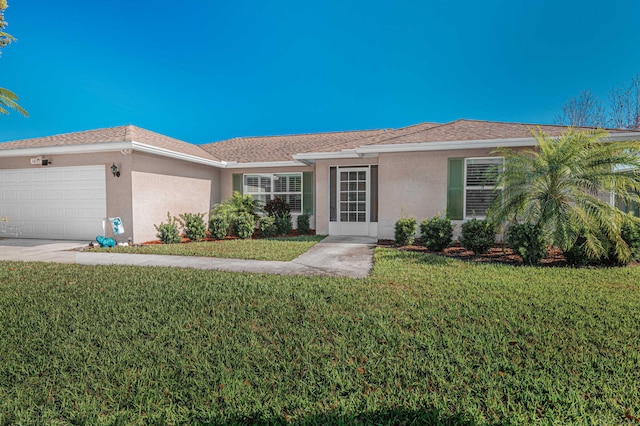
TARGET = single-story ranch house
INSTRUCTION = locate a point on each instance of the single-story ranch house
(352, 183)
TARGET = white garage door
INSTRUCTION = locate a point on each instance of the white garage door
(55, 202)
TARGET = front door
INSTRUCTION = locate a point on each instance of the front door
(353, 204)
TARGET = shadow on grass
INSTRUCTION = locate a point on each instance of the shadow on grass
(420, 258)
(394, 416)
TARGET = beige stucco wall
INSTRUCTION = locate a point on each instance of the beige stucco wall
(161, 185)
(415, 182)
(118, 189)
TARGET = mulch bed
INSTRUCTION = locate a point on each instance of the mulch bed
(498, 254)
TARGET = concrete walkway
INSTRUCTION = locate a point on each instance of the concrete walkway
(334, 256)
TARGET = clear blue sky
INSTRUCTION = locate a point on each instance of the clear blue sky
(207, 70)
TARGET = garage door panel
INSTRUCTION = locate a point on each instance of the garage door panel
(58, 203)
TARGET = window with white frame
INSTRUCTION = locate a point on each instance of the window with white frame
(480, 179)
(266, 186)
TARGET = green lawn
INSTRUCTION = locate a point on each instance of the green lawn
(425, 340)
(283, 249)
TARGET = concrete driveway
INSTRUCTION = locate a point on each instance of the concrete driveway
(28, 250)
(334, 256)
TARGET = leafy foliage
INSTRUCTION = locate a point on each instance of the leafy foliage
(236, 205)
(478, 235)
(577, 255)
(436, 233)
(277, 207)
(218, 226)
(563, 186)
(631, 235)
(193, 226)
(243, 225)
(8, 99)
(267, 227)
(405, 231)
(283, 225)
(526, 240)
(304, 224)
(169, 232)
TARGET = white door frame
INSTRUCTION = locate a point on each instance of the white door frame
(343, 226)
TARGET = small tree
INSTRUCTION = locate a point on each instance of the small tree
(560, 188)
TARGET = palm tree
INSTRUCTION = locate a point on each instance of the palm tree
(8, 99)
(564, 186)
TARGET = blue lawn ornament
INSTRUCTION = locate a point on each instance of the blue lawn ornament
(105, 242)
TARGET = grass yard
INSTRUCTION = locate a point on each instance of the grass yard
(426, 340)
(282, 249)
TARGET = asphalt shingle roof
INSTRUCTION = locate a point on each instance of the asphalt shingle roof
(281, 148)
(127, 133)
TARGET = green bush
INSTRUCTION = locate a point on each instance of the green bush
(478, 235)
(283, 225)
(267, 227)
(405, 231)
(436, 233)
(193, 226)
(277, 207)
(218, 227)
(236, 205)
(526, 240)
(168, 232)
(304, 224)
(243, 226)
(630, 233)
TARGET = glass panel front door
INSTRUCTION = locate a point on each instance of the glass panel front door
(353, 195)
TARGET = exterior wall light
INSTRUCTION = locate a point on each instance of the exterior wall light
(115, 171)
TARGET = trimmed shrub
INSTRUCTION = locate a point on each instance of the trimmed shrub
(478, 235)
(631, 235)
(243, 225)
(168, 232)
(405, 231)
(283, 225)
(267, 227)
(304, 224)
(436, 232)
(193, 226)
(218, 227)
(526, 240)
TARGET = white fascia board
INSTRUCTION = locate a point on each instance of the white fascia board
(264, 164)
(65, 149)
(137, 146)
(314, 156)
(444, 146)
(471, 144)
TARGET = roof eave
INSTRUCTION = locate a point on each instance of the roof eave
(312, 157)
(141, 147)
(263, 164)
(65, 149)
